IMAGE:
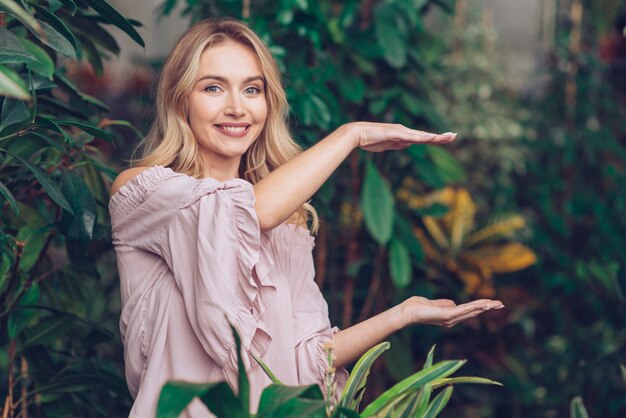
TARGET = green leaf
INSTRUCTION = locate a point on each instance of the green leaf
(429, 358)
(51, 189)
(91, 29)
(83, 204)
(112, 16)
(47, 330)
(57, 24)
(341, 412)
(14, 112)
(413, 382)
(353, 390)
(577, 408)
(440, 402)
(42, 64)
(424, 166)
(352, 88)
(464, 379)
(6, 193)
(11, 50)
(74, 383)
(399, 264)
(267, 370)
(91, 130)
(300, 408)
(275, 396)
(447, 166)
(378, 205)
(623, 372)
(393, 44)
(20, 317)
(53, 126)
(175, 396)
(242, 380)
(91, 53)
(55, 40)
(24, 16)
(403, 231)
(11, 85)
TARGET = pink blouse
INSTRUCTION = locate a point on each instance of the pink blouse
(191, 259)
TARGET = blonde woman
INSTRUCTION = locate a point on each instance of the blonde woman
(210, 229)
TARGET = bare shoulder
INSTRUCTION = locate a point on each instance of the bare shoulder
(124, 177)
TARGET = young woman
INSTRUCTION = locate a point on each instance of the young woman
(210, 229)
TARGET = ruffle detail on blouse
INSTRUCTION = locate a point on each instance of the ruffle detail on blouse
(254, 264)
(134, 192)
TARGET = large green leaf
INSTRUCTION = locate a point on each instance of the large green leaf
(112, 16)
(353, 390)
(377, 204)
(55, 40)
(11, 85)
(274, 397)
(79, 227)
(413, 382)
(300, 408)
(57, 24)
(399, 264)
(14, 112)
(175, 396)
(51, 189)
(11, 50)
(42, 64)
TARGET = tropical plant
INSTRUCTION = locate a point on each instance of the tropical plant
(409, 398)
(55, 284)
(452, 243)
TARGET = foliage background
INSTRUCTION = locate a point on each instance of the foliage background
(394, 224)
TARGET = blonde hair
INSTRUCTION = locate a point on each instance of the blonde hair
(171, 142)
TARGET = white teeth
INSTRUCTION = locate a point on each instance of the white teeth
(232, 128)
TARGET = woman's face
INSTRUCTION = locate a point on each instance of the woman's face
(227, 107)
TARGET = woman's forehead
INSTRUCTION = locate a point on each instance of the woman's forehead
(229, 60)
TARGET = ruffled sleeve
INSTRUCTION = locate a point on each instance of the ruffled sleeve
(212, 247)
(292, 248)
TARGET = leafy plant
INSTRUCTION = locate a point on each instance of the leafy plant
(55, 249)
(409, 398)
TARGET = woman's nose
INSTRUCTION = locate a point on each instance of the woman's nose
(234, 106)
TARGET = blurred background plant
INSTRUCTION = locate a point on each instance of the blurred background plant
(535, 179)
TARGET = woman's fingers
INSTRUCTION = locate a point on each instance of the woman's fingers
(472, 309)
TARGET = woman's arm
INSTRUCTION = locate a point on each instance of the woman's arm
(354, 341)
(288, 187)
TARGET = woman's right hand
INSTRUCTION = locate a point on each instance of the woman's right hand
(378, 137)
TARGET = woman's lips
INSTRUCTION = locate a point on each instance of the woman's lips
(235, 131)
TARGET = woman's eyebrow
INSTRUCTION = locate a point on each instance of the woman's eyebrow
(224, 80)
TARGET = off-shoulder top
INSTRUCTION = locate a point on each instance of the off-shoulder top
(192, 259)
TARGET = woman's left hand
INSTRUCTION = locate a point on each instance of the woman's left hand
(420, 310)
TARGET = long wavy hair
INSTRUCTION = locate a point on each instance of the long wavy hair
(171, 142)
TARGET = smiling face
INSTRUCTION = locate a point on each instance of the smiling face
(227, 108)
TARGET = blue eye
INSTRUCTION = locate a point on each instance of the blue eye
(252, 90)
(211, 89)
